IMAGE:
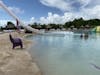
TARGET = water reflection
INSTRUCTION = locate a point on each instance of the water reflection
(69, 54)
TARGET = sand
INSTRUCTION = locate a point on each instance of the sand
(17, 61)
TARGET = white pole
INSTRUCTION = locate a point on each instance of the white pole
(15, 17)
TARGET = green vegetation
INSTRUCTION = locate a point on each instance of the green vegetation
(10, 25)
(1, 28)
(76, 23)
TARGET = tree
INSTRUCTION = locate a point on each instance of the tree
(68, 24)
(78, 22)
(55, 26)
(43, 26)
(34, 25)
(10, 25)
(1, 28)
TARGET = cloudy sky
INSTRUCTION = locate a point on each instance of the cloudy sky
(50, 11)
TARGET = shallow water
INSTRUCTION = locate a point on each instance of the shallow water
(66, 55)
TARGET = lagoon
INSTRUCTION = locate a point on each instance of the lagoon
(66, 54)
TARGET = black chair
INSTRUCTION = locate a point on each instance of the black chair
(16, 41)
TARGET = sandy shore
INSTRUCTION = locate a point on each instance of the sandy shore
(17, 61)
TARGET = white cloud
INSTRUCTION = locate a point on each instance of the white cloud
(90, 13)
(60, 4)
(88, 9)
(16, 10)
(4, 22)
(87, 13)
(84, 2)
(57, 19)
(32, 20)
(65, 5)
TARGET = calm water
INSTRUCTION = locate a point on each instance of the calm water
(66, 55)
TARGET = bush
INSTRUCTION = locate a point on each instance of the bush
(27, 31)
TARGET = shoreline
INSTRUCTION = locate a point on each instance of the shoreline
(17, 61)
(38, 68)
